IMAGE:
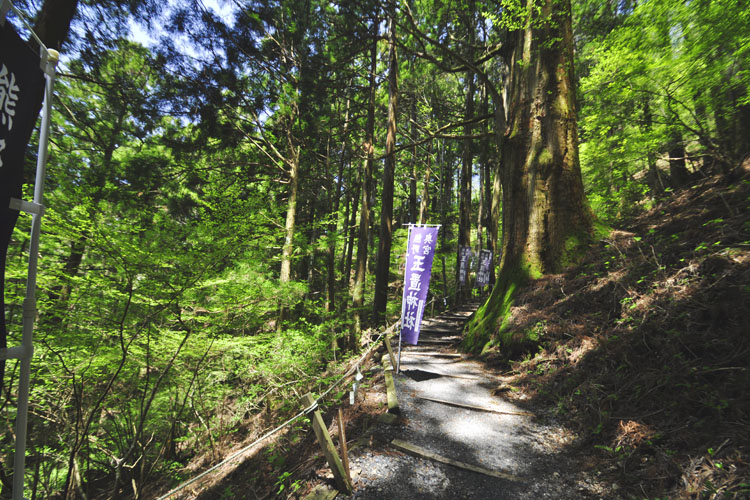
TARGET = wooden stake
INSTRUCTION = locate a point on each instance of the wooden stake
(436, 342)
(390, 388)
(342, 442)
(464, 377)
(437, 354)
(478, 408)
(390, 350)
(329, 451)
(420, 452)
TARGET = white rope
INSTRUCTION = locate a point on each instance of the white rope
(237, 454)
(285, 424)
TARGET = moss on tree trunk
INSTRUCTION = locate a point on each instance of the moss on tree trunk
(545, 219)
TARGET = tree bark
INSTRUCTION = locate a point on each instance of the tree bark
(334, 201)
(446, 190)
(545, 216)
(467, 157)
(351, 229)
(285, 274)
(424, 201)
(678, 172)
(413, 214)
(382, 271)
(484, 175)
(308, 266)
(543, 200)
(741, 119)
(358, 289)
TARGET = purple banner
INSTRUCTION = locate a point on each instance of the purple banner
(419, 256)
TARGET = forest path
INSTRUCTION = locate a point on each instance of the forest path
(508, 440)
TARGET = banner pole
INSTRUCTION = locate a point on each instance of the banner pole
(403, 304)
(29, 303)
(4, 9)
(398, 361)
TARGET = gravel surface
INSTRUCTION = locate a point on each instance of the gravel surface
(521, 446)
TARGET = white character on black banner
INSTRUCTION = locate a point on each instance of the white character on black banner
(8, 97)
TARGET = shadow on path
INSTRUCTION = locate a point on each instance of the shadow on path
(510, 443)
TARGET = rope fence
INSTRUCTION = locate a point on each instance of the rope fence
(296, 417)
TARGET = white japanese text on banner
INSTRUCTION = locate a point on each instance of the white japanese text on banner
(421, 251)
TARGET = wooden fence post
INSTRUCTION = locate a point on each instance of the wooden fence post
(342, 442)
(329, 451)
(387, 339)
(390, 387)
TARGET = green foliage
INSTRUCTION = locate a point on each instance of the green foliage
(653, 80)
(168, 189)
(519, 14)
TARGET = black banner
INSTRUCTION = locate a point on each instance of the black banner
(483, 271)
(464, 262)
(21, 90)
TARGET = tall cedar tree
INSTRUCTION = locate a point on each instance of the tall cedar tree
(382, 272)
(545, 218)
(358, 288)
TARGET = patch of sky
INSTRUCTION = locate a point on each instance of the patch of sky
(149, 34)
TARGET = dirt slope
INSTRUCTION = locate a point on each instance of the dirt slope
(644, 348)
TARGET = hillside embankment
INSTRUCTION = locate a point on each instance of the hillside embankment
(643, 349)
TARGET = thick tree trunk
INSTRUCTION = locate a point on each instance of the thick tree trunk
(285, 274)
(467, 158)
(678, 172)
(425, 189)
(495, 203)
(544, 209)
(358, 289)
(382, 271)
(351, 228)
(545, 216)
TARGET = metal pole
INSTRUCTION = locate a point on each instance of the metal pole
(445, 283)
(398, 362)
(403, 302)
(29, 303)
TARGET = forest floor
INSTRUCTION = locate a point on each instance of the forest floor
(644, 351)
(636, 388)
